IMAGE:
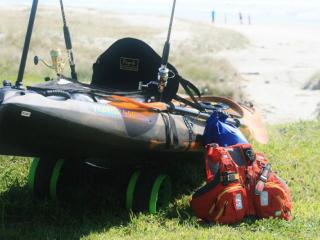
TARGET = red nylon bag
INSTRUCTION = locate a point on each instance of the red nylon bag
(271, 196)
(240, 183)
(223, 199)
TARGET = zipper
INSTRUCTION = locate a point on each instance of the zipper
(212, 208)
(220, 196)
(228, 190)
(221, 211)
(271, 184)
(281, 204)
(278, 197)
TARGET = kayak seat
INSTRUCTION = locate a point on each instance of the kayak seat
(126, 63)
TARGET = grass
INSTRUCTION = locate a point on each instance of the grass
(192, 52)
(293, 151)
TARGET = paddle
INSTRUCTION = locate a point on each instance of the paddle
(252, 120)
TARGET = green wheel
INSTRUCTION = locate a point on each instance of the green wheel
(44, 175)
(131, 187)
(147, 192)
(32, 173)
(160, 194)
(55, 177)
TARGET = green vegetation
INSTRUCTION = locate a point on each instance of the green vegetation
(293, 150)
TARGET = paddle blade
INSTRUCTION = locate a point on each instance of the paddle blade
(253, 125)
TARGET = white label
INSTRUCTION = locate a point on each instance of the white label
(25, 114)
(264, 199)
(239, 204)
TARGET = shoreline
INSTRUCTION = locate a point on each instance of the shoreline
(266, 13)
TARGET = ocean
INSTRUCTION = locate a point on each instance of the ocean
(261, 12)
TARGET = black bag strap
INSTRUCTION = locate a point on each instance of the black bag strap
(189, 87)
(187, 102)
(208, 187)
(170, 130)
(187, 84)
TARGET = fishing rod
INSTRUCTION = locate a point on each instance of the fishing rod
(68, 42)
(26, 46)
(163, 74)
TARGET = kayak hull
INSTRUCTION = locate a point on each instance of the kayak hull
(33, 125)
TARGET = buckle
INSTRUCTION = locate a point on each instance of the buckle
(250, 154)
(229, 177)
(263, 178)
(265, 173)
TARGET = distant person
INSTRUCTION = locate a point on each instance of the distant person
(240, 18)
(213, 13)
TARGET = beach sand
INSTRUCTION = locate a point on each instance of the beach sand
(275, 68)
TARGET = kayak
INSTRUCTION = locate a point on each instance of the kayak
(67, 125)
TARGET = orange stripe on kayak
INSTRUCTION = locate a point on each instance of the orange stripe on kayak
(154, 144)
(129, 103)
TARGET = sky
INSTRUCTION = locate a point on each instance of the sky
(262, 12)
